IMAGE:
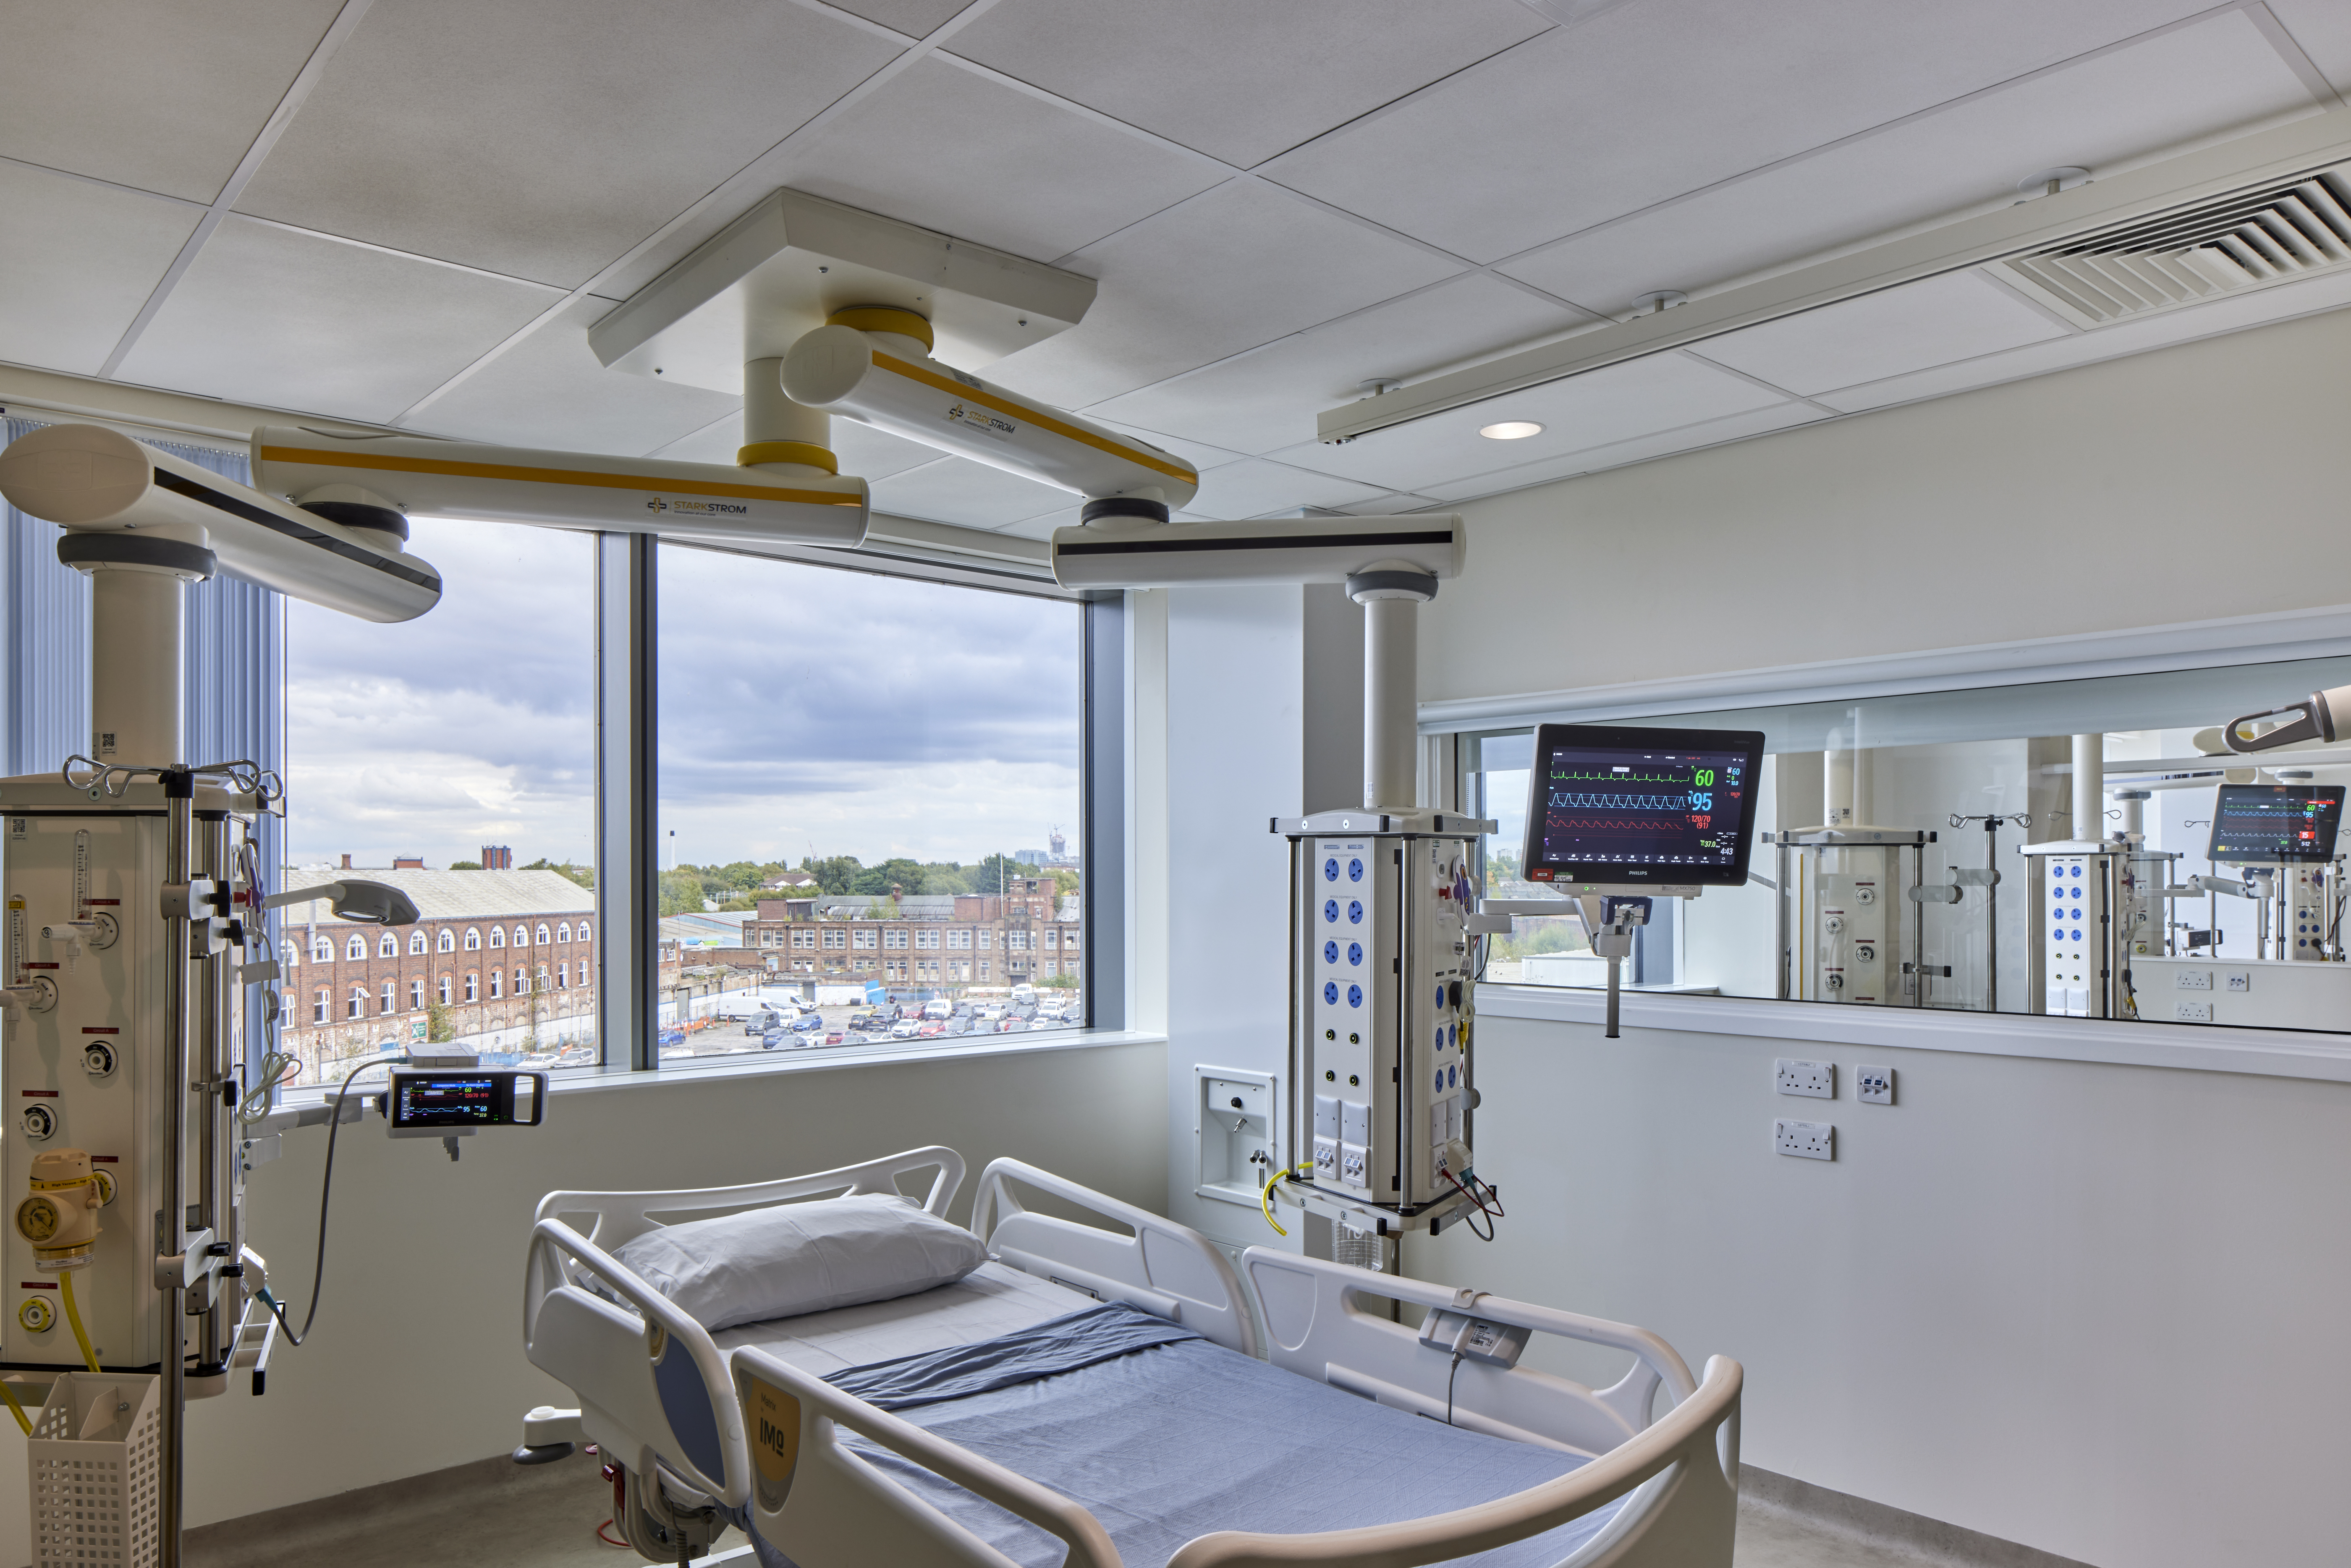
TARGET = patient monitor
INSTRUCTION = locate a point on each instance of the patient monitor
(1618, 816)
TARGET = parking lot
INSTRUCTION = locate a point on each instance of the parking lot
(852, 1025)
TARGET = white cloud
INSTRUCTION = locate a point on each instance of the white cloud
(803, 710)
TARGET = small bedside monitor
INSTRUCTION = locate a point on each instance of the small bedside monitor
(1628, 804)
(2260, 824)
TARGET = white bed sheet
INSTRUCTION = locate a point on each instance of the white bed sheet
(993, 1299)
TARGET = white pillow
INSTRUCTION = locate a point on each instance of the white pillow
(795, 1258)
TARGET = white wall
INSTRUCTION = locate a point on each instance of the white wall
(2193, 482)
(2093, 1308)
(417, 1362)
(2096, 1310)
(1234, 707)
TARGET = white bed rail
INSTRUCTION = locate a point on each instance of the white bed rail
(1165, 1269)
(818, 1501)
(1687, 1440)
(644, 1378)
(1685, 1465)
(632, 1401)
(625, 1216)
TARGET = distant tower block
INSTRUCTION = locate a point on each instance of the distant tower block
(498, 857)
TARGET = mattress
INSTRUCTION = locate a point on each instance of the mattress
(992, 1300)
(1164, 1436)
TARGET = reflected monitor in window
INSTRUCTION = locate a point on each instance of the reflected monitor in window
(1620, 803)
(2261, 824)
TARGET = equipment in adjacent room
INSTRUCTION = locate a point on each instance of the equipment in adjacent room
(1851, 906)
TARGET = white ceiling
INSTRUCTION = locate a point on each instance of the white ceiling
(410, 212)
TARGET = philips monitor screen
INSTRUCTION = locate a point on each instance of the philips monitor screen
(2258, 823)
(1622, 804)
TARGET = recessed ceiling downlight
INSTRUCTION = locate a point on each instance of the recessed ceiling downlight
(1510, 429)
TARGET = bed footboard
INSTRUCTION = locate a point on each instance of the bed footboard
(821, 1504)
(1163, 1268)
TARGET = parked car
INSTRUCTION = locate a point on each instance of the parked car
(939, 1008)
(809, 1024)
(836, 1037)
(905, 1029)
(931, 1028)
(671, 1037)
(869, 1019)
(774, 1037)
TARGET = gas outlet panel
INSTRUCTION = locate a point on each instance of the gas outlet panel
(1385, 1014)
(81, 1073)
(2076, 925)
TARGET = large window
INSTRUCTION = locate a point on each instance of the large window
(1920, 859)
(452, 756)
(843, 755)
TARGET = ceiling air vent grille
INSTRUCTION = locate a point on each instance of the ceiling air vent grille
(2279, 234)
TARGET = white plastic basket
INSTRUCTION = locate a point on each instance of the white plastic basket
(93, 1456)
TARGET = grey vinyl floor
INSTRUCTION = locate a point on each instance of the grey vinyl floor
(546, 1516)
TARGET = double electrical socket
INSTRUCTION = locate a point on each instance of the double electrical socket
(1817, 1079)
(1804, 1140)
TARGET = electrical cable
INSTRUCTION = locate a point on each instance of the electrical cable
(1449, 1376)
(609, 1540)
(1485, 1235)
(326, 1191)
(277, 1067)
(73, 1316)
(1265, 1198)
(14, 1408)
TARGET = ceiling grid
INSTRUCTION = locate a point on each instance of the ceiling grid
(1308, 197)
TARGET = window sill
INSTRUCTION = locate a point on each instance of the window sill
(579, 1081)
(2202, 1048)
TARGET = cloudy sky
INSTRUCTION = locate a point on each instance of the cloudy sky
(802, 711)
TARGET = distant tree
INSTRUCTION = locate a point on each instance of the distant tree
(440, 1022)
(835, 873)
(1065, 880)
(899, 871)
(681, 891)
(583, 875)
(945, 876)
(1060, 982)
(464, 866)
(995, 874)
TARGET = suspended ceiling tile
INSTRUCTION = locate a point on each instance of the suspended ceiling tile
(1253, 488)
(1228, 271)
(549, 390)
(77, 261)
(714, 442)
(1933, 321)
(876, 454)
(1639, 449)
(543, 138)
(966, 156)
(1267, 399)
(1394, 503)
(294, 321)
(2233, 313)
(1648, 101)
(1938, 167)
(957, 490)
(2322, 30)
(916, 19)
(1616, 402)
(165, 97)
(1199, 454)
(1240, 80)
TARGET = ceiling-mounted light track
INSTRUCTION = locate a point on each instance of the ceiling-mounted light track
(2300, 148)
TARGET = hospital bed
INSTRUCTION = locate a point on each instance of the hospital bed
(1093, 1398)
